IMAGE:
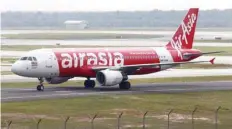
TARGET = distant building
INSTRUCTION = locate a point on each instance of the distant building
(72, 24)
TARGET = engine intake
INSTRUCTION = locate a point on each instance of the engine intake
(110, 77)
(57, 80)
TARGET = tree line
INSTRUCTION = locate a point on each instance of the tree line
(116, 19)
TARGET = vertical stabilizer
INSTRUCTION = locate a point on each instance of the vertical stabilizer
(184, 36)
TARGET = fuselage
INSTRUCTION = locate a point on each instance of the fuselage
(78, 62)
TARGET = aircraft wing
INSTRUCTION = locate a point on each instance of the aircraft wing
(127, 68)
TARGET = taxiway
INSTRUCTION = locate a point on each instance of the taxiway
(26, 94)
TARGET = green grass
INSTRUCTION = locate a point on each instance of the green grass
(133, 81)
(6, 73)
(203, 66)
(133, 106)
(214, 41)
(228, 50)
(8, 60)
(79, 36)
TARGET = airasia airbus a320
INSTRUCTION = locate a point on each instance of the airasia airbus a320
(110, 66)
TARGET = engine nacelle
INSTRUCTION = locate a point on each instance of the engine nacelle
(57, 80)
(110, 77)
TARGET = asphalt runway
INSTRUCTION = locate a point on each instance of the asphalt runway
(27, 94)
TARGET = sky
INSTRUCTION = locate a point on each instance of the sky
(110, 5)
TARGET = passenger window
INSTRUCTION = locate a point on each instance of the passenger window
(23, 58)
(34, 59)
(30, 58)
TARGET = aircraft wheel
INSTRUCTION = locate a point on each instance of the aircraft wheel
(40, 88)
(89, 83)
(125, 85)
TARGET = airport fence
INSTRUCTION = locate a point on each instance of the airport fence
(145, 120)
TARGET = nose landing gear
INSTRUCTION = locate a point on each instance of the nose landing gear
(40, 87)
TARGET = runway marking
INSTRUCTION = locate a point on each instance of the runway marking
(68, 94)
(14, 89)
(63, 91)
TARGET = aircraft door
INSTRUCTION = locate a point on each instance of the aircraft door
(49, 62)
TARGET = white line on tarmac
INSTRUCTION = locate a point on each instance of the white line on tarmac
(53, 95)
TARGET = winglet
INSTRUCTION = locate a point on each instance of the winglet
(212, 60)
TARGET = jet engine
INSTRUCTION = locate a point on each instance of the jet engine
(110, 77)
(57, 80)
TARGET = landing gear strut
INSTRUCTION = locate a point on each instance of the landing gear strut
(125, 85)
(40, 87)
(89, 83)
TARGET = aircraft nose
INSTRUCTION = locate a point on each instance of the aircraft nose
(16, 68)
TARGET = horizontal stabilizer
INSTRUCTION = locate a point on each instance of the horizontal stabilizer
(212, 61)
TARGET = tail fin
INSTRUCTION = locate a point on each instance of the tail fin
(183, 38)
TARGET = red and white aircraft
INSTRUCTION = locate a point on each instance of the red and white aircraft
(110, 66)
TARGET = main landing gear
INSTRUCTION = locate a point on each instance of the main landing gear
(89, 83)
(125, 85)
(40, 87)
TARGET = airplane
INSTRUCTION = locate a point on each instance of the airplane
(111, 66)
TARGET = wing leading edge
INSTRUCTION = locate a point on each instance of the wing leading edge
(153, 65)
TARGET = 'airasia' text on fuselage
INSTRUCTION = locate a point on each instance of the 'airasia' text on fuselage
(74, 60)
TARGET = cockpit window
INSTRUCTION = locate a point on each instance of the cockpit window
(34, 59)
(23, 58)
(30, 58)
